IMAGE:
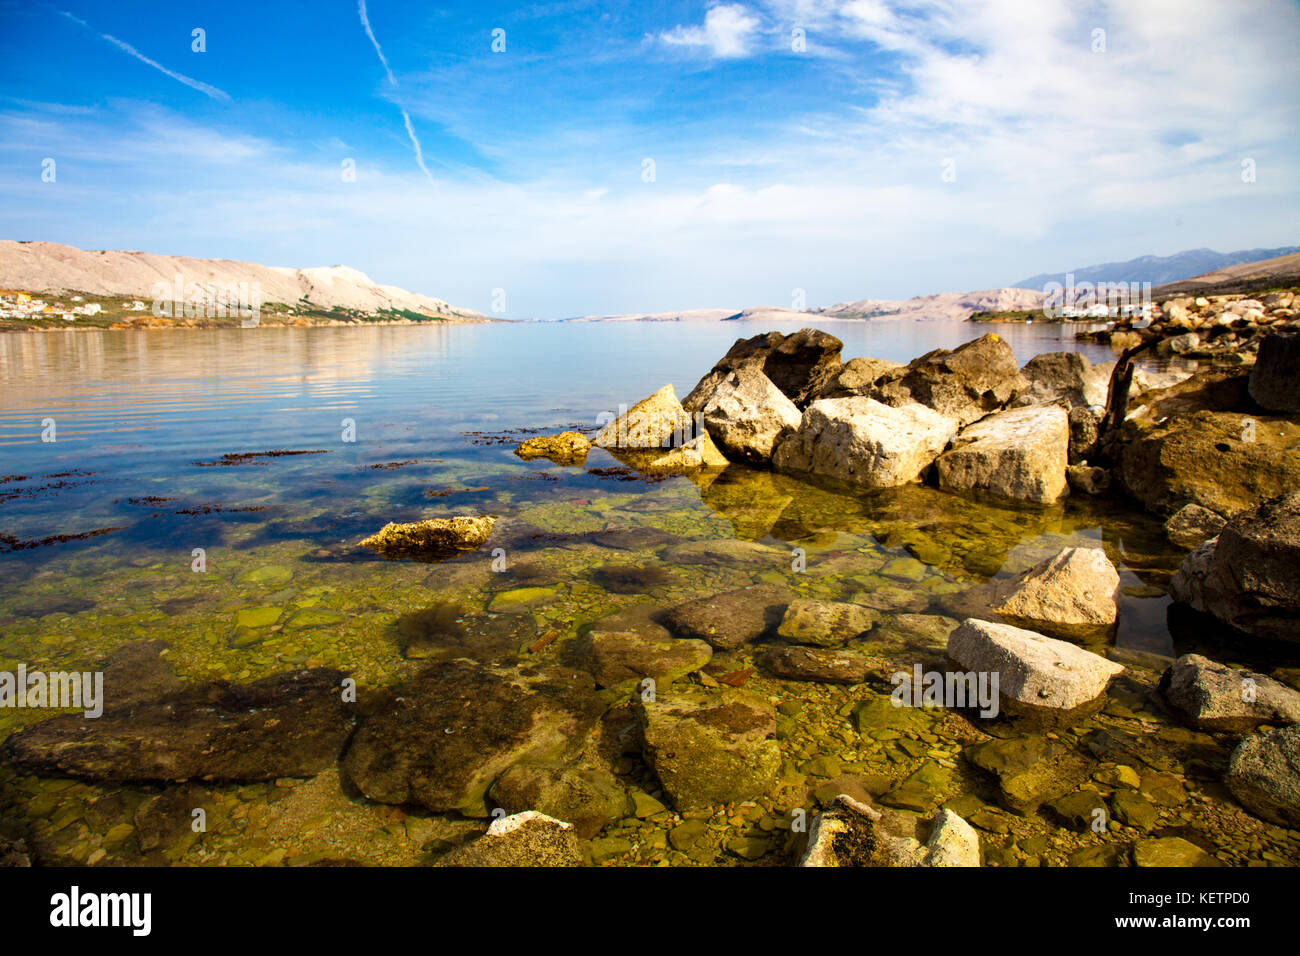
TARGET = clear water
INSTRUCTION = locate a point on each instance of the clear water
(136, 413)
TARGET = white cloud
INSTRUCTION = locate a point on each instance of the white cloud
(727, 31)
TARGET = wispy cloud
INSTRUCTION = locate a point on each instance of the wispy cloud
(406, 117)
(727, 31)
(205, 88)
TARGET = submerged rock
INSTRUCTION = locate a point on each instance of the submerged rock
(1221, 699)
(826, 623)
(288, 725)
(731, 618)
(748, 416)
(1074, 592)
(522, 839)
(699, 452)
(618, 658)
(1170, 852)
(1033, 671)
(711, 748)
(1029, 770)
(434, 536)
(1249, 576)
(1264, 774)
(566, 448)
(1019, 455)
(863, 442)
(818, 664)
(443, 737)
(797, 364)
(589, 799)
(1087, 479)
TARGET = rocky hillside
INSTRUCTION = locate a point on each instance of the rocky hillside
(51, 268)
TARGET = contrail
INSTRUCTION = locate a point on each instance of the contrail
(406, 117)
(125, 47)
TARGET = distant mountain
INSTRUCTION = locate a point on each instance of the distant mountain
(944, 305)
(1247, 277)
(49, 267)
(1158, 270)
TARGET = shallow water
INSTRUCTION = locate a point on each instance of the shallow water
(143, 419)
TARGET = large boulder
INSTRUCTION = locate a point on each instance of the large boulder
(1073, 592)
(288, 725)
(965, 384)
(1249, 576)
(442, 738)
(863, 442)
(432, 537)
(658, 421)
(1164, 446)
(529, 839)
(709, 749)
(1018, 455)
(858, 376)
(798, 364)
(1275, 378)
(731, 618)
(1056, 376)
(1222, 699)
(748, 416)
(1264, 774)
(1035, 672)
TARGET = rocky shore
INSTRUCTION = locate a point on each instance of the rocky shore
(743, 702)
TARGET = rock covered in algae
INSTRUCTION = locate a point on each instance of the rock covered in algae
(710, 748)
(731, 618)
(826, 623)
(588, 798)
(566, 448)
(522, 839)
(431, 536)
(442, 738)
(287, 725)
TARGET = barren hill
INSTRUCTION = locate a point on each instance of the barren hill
(49, 267)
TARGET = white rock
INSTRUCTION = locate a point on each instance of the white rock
(1018, 455)
(953, 842)
(864, 442)
(748, 416)
(1032, 669)
(1077, 587)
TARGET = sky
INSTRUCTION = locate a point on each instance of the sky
(579, 158)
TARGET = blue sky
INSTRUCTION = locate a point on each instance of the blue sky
(775, 168)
